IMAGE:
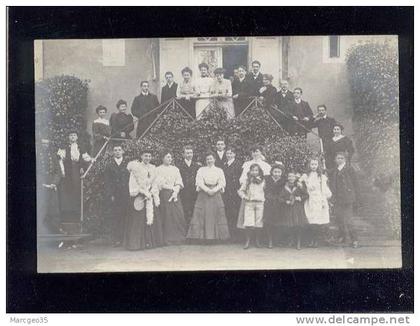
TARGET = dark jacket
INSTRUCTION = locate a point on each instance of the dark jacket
(344, 185)
(344, 144)
(168, 93)
(325, 128)
(142, 105)
(255, 83)
(269, 95)
(220, 162)
(301, 110)
(116, 180)
(283, 102)
(121, 122)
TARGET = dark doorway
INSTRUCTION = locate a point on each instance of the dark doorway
(233, 56)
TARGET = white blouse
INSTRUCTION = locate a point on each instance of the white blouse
(210, 177)
(168, 177)
(223, 88)
(246, 166)
(203, 85)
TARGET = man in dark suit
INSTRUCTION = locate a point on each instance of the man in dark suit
(300, 115)
(117, 194)
(282, 101)
(325, 127)
(121, 122)
(220, 153)
(169, 90)
(345, 194)
(188, 169)
(142, 105)
(255, 78)
(241, 91)
(233, 170)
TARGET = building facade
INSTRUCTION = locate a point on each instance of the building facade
(115, 67)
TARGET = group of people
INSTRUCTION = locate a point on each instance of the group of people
(225, 200)
(149, 206)
(286, 107)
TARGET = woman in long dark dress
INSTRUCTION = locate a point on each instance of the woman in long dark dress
(274, 184)
(144, 226)
(169, 183)
(74, 159)
(340, 144)
(100, 130)
(209, 218)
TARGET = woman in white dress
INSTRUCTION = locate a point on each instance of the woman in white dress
(203, 85)
(186, 91)
(209, 218)
(169, 183)
(144, 226)
(316, 206)
(221, 89)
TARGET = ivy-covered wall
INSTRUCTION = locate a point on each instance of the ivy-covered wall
(373, 77)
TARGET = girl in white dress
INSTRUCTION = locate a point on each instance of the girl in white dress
(203, 85)
(316, 206)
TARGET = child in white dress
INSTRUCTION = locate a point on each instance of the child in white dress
(316, 206)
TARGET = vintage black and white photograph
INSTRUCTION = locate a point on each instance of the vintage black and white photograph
(217, 153)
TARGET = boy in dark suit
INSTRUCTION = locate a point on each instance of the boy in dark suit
(117, 194)
(345, 193)
(325, 127)
(169, 90)
(220, 153)
(142, 105)
(188, 169)
(241, 91)
(255, 78)
(232, 169)
(301, 115)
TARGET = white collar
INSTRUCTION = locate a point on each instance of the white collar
(335, 138)
(102, 120)
(118, 160)
(188, 162)
(229, 163)
(256, 75)
(145, 94)
(340, 167)
(298, 100)
(170, 85)
(241, 79)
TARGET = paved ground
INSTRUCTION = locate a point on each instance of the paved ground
(100, 258)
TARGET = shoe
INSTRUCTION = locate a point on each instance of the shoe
(270, 245)
(246, 246)
(355, 244)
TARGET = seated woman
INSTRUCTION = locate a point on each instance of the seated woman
(101, 130)
(144, 226)
(169, 183)
(203, 85)
(221, 89)
(339, 143)
(209, 217)
(186, 91)
(267, 93)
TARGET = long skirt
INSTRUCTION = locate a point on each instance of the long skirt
(173, 221)
(209, 218)
(138, 235)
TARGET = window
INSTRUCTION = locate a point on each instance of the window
(334, 46)
(207, 39)
(235, 39)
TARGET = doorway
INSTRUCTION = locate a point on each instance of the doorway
(234, 56)
(227, 56)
